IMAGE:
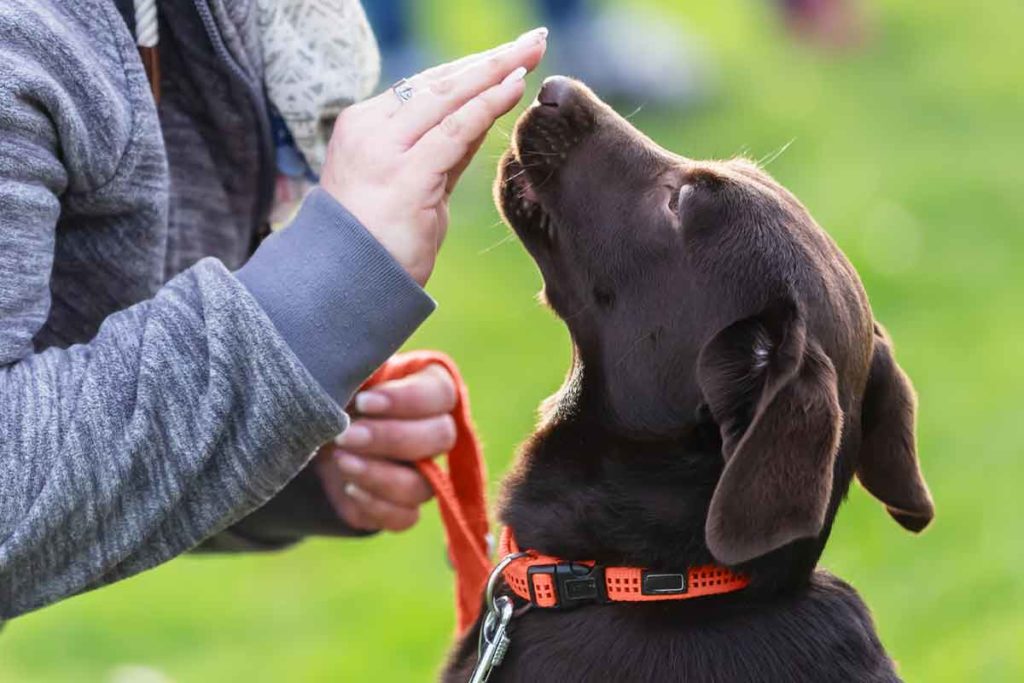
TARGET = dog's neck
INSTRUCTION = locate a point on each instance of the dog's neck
(582, 491)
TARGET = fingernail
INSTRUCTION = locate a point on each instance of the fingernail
(354, 491)
(356, 436)
(351, 464)
(372, 402)
(533, 36)
(517, 75)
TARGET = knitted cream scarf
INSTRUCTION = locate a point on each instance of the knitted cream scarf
(319, 56)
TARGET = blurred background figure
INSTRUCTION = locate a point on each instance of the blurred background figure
(825, 23)
(624, 53)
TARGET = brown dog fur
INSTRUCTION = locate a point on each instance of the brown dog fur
(728, 382)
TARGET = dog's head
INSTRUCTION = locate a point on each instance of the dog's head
(704, 292)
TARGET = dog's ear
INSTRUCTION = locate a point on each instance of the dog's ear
(772, 391)
(888, 466)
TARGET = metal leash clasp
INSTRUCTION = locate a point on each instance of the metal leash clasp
(494, 638)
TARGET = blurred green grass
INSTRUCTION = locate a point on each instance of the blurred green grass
(908, 153)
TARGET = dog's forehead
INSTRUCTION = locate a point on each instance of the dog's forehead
(747, 238)
(754, 213)
(740, 174)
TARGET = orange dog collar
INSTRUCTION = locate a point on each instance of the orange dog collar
(551, 582)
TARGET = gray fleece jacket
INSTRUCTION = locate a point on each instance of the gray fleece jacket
(158, 385)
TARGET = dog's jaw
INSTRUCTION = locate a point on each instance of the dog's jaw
(520, 203)
(542, 143)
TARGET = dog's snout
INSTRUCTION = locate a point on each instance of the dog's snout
(556, 91)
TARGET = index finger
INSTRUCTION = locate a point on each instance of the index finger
(426, 393)
(462, 62)
(429, 105)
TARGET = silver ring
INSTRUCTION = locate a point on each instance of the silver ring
(403, 90)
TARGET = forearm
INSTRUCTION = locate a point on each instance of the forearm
(336, 296)
(189, 411)
(181, 416)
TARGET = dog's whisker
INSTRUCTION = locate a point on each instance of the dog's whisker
(631, 348)
(504, 240)
(635, 111)
(770, 158)
(515, 175)
(543, 182)
(583, 309)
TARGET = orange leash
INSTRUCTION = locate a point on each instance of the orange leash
(460, 490)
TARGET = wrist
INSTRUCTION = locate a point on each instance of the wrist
(339, 299)
(396, 233)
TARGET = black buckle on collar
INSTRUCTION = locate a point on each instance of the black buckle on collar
(575, 584)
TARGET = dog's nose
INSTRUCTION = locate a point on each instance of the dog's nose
(555, 91)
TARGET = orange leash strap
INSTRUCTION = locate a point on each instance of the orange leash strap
(460, 490)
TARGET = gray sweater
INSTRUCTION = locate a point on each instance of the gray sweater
(150, 397)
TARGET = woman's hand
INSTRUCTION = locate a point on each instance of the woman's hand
(393, 164)
(367, 472)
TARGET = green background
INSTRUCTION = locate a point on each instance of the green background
(908, 152)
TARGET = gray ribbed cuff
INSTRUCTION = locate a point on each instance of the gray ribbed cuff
(335, 295)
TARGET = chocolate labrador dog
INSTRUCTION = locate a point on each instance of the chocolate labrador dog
(728, 381)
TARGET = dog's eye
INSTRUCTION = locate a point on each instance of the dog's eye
(673, 199)
(676, 196)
